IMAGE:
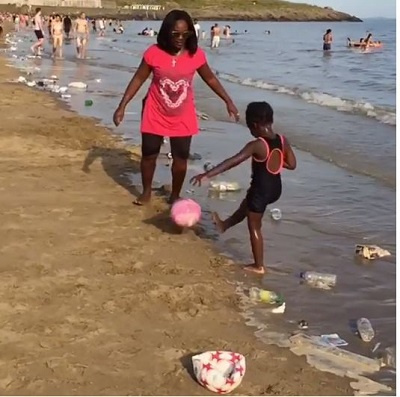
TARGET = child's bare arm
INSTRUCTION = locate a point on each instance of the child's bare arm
(249, 150)
(289, 161)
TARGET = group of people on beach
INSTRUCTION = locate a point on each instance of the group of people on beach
(363, 44)
(169, 111)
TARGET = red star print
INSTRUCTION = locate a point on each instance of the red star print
(240, 369)
(216, 356)
(230, 382)
(235, 357)
(220, 391)
(207, 366)
(204, 382)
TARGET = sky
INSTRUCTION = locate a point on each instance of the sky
(359, 8)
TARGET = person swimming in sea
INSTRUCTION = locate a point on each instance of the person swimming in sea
(270, 153)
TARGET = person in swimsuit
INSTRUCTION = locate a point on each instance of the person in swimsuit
(216, 36)
(38, 22)
(327, 39)
(58, 36)
(82, 35)
(270, 153)
(169, 107)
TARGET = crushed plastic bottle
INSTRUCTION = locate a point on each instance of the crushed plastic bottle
(224, 186)
(276, 214)
(365, 329)
(319, 279)
(262, 295)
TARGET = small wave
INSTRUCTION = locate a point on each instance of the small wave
(386, 116)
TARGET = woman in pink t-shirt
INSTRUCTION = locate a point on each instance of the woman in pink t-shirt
(169, 107)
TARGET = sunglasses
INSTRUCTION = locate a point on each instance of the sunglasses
(184, 35)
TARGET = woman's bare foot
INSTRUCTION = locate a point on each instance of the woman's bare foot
(143, 199)
(218, 222)
(254, 268)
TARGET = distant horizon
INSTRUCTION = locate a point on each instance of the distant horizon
(360, 8)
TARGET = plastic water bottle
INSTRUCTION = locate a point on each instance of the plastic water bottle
(319, 279)
(365, 329)
(262, 295)
(88, 102)
(276, 214)
(224, 186)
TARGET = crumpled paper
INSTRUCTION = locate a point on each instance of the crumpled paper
(371, 251)
(219, 371)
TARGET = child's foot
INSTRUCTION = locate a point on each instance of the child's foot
(218, 222)
(254, 269)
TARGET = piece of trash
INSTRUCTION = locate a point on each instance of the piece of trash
(224, 186)
(202, 116)
(303, 324)
(63, 90)
(265, 296)
(169, 155)
(88, 102)
(279, 310)
(54, 77)
(219, 371)
(190, 191)
(276, 214)
(21, 79)
(365, 329)
(208, 166)
(185, 212)
(333, 340)
(371, 251)
(65, 96)
(376, 347)
(319, 280)
(31, 84)
(13, 49)
(77, 84)
(98, 80)
(195, 156)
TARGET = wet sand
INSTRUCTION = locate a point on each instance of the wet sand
(98, 296)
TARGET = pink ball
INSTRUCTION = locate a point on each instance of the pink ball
(186, 212)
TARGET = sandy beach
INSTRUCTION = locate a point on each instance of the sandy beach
(98, 296)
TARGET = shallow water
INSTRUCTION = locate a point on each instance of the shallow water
(339, 109)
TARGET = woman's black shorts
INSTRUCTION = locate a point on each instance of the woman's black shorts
(180, 146)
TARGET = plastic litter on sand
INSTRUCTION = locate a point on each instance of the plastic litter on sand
(371, 251)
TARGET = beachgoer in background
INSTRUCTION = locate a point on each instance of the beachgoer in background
(197, 27)
(327, 39)
(16, 23)
(121, 29)
(67, 26)
(169, 107)
(82, 35)
(58, 36)
(50, 21)
(227, 31)
(367, 41)
(270, 153)
(102, 27)
(39, 32)
(94, 26)
(216, 36)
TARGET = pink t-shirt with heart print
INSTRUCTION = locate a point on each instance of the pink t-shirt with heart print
(170, 109)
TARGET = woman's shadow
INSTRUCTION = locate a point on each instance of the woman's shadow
(117, 163)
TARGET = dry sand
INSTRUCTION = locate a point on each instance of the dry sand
(98, 296)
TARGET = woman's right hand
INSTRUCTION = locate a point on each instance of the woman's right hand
(118, 116)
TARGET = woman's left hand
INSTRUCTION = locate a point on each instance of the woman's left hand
(232, 111)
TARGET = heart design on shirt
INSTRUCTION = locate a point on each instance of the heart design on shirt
(174, 92)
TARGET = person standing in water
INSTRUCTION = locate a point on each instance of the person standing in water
(82, 35)
(216, 36)
(39, 32)
(169, 107)
(327, 39)
(67, 26)
(58, 36)
(197, 28)
(270, 153)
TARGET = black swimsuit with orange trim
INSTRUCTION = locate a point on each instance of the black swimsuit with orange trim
(266, 185)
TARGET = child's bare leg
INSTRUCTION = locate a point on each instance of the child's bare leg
(254, 222)
(237, 217)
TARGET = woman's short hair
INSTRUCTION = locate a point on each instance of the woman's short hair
(164, 37)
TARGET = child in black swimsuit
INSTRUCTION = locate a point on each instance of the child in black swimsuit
(270, 153)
